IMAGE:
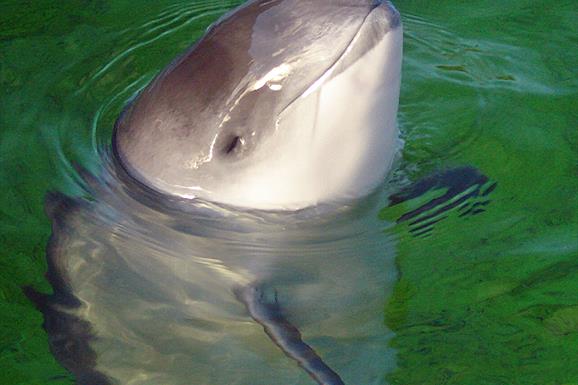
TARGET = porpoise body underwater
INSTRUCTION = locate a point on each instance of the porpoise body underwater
(225, 240)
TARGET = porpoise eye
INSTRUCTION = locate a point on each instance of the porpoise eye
(232, 145)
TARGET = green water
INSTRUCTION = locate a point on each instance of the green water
(490, 299)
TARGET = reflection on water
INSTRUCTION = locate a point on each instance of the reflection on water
(155, 283)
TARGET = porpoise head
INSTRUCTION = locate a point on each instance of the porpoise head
(283, 104)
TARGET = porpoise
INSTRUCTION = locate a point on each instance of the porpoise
(282, 106)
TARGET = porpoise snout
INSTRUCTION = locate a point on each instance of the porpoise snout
(388, 12)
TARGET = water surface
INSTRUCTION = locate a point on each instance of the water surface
(484, 298)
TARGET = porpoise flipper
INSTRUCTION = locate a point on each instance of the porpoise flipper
(285, 335)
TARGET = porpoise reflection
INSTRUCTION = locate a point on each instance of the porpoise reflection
(226, 218)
